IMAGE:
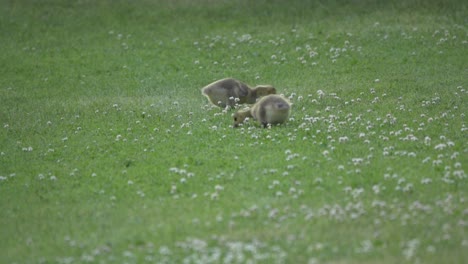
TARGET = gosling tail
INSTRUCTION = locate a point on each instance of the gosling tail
(282, 105)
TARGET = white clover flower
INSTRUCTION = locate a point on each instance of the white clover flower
(427, 140)
(27, 149)
(343, 139)
(460, 174)
(357, 161)
(165, 251)
(426, 181)
(273, 213)
(408, 187)
(440, 146)
(376, 189)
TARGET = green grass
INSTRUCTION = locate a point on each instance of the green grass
(110, 154)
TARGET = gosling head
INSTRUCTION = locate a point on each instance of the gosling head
(263, 90)
(240, 116)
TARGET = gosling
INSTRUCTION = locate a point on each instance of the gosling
(229, 92)
(269, 110)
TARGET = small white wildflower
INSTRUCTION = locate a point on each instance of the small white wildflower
(343, 139)
(431, 249)
(357, 161)
(163, 250)
(273, 213)
(440, 146)
(459, 174)
(376, 189)
(426, 181)
(408, 187)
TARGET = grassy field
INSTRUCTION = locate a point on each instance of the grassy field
(110, 154)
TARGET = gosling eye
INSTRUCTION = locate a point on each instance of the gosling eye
(235, 119)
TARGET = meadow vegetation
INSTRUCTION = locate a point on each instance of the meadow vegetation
(110, 154)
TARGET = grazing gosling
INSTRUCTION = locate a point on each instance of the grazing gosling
(271, 109)
(229, 92)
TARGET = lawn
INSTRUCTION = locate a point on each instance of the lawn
(109, 153)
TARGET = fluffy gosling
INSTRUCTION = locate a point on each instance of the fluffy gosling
(229, 92)
(269, 110)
